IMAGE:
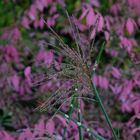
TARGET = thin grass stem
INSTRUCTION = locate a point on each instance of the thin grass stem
(79, 119)
(94, 134)
(69, 114)
(97, 94)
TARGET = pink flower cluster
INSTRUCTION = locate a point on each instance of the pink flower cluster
(34, 16)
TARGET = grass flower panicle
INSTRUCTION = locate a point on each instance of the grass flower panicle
(77, 69)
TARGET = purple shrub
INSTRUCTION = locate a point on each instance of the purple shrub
(29, 67)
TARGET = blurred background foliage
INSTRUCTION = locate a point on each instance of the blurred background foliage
(24, 46)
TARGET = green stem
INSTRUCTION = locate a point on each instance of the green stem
(79, 120)
(82, 126)
(103, 109)
(69, 113)
(95, 92)
(97, 59)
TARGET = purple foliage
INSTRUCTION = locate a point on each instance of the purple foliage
(23, 78)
